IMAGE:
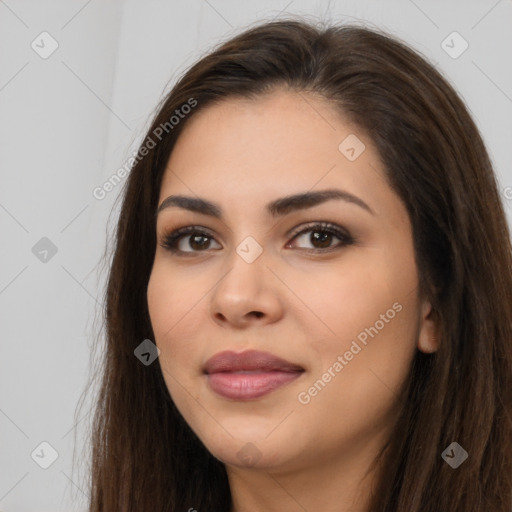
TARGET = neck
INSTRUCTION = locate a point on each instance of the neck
(340, 482)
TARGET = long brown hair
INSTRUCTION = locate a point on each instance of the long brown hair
(144, 457)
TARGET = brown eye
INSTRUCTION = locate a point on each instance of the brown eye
(190, 240)
(321, 236)
(196, 242)
(323, 239)
(187, 240)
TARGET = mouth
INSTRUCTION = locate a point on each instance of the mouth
(248, 375)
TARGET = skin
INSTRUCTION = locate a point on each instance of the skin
(306, 308)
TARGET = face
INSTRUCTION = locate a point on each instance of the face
(328, 283)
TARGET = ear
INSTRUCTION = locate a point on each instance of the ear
(428, 341)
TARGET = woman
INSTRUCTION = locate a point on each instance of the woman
(313, 239)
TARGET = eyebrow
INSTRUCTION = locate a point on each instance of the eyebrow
(276, 208)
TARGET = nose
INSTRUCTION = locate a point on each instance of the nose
(247, 294)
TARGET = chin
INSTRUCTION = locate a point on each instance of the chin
(248, 455)
(251, 447)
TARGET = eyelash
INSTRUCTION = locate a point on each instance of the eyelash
(171, 239)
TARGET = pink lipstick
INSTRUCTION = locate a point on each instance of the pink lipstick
(248, 375)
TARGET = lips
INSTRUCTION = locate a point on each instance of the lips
(248, 375)
(251, 360)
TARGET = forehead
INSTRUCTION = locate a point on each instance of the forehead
(283, 137)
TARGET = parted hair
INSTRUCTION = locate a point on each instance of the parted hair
(143, 455)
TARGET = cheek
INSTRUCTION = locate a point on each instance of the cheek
(343, 300)
(172, 305)
(372, 318)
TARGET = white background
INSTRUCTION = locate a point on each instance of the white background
(69, 121)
